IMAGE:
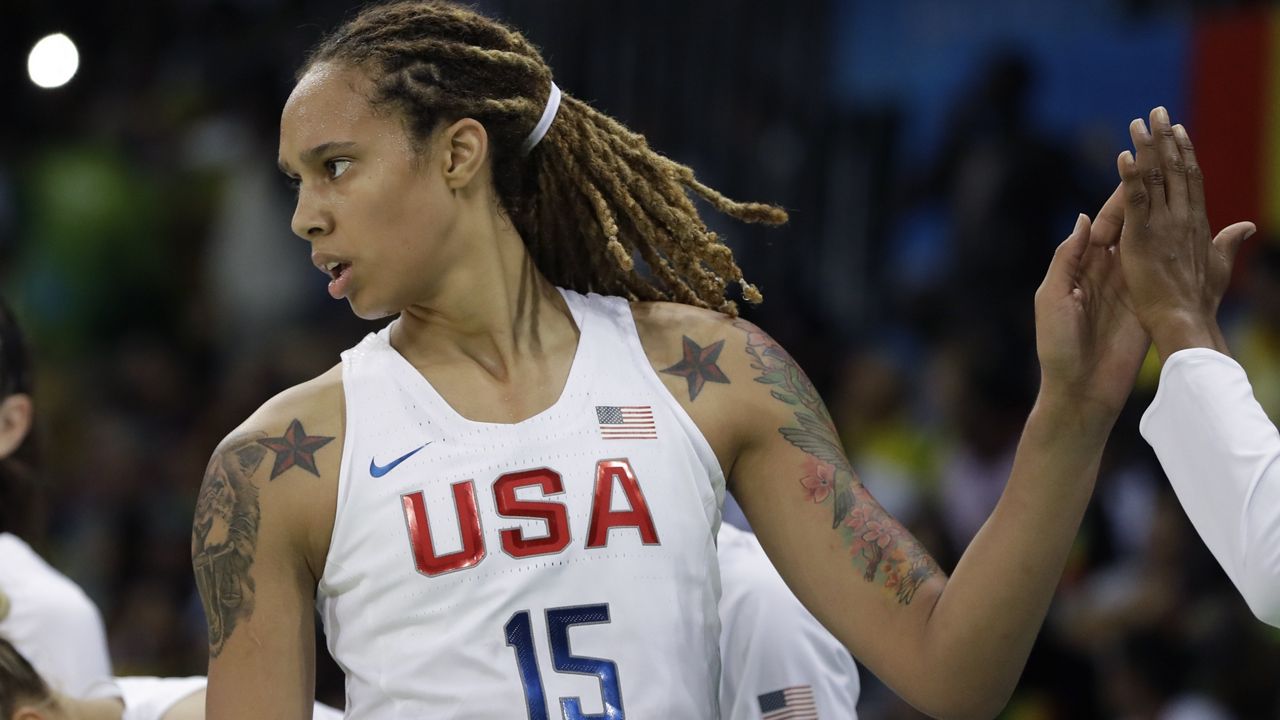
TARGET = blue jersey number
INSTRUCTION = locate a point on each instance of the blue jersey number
(519, 633)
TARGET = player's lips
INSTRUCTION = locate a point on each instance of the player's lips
(339, 269)
(330, 265)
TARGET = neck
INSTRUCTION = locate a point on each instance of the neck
(492, 308)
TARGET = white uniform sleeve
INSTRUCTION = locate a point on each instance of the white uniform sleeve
(772, 649)
(1219, 450)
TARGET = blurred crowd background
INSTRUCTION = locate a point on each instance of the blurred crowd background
(931, 152)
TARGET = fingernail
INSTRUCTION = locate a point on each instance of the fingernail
(1180, 132)
(1140, 127)
(1250, 233)
(1162, 115)
(1126, 157)
(1081, 219)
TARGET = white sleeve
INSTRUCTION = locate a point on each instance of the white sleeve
(1219, 451)
(770, 645)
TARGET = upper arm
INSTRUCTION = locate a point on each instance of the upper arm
(256, 558)
(857, 569)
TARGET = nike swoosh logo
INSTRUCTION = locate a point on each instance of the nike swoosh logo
(378, 471)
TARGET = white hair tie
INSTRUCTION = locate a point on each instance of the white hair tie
(544, 123)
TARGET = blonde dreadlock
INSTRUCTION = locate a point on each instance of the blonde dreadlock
(590, 178)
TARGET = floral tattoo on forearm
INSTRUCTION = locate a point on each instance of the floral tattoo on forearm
(881, 549)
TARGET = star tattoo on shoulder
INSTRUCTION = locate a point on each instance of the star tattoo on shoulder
(698, 366)
(296, 448)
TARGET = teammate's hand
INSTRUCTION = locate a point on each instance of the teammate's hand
(1176, 275)
(1088, 339)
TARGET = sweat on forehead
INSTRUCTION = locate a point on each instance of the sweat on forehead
(330, 109)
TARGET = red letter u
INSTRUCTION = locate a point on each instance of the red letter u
(424, 554)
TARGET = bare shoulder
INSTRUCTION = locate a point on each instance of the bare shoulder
(712, 364)
(270, 490)
(318, 402)
(292, 445)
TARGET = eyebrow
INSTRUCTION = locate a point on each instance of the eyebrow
(310, 156)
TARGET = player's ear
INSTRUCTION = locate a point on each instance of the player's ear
(466, 150)
(15, 423)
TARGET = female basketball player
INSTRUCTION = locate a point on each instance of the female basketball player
(1216, 444)
(504, 503)
(42, 611)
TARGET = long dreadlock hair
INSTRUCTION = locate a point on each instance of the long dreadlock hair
(591, 197)
(20, 496)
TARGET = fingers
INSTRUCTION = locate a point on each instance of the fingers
(1061, 278)
(1173, 170)
(1195, 178)
(1137, 206)
(1228, 241)
(1148, 159)
(1110, 220)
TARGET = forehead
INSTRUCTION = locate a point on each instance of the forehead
(330, 103)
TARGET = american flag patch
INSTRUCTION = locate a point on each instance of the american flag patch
(626, 422)
(793, 703)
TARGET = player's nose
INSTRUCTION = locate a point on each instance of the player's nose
(310, 218)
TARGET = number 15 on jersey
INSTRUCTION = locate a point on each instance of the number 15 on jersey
(519, 633)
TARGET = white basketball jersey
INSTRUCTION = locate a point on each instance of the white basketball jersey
(560, 567)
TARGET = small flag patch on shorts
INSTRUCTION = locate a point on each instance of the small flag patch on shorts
(793, 703)
(626, 422)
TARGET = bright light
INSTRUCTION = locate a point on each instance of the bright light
(53, 61)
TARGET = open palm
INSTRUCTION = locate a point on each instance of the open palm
(1088, 338)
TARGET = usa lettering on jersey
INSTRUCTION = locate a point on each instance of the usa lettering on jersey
(554, 514)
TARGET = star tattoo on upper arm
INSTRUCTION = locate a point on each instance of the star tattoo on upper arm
(296, 448)
(698, 366)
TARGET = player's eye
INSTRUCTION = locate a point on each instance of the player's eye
(337, 167)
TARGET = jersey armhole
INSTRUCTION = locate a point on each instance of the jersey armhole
(344, 475)
(706, 455)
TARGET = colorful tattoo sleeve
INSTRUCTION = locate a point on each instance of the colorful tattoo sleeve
(880, 548)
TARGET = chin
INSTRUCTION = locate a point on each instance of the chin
(368, 311)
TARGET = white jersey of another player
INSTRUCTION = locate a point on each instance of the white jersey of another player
(561, 566)
(1222, 456)
(151, 698)
(778, 660)
(50, 620)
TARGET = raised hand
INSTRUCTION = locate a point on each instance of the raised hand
(1175, 273)
(1088, 339)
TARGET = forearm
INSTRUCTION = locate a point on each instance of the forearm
(987, 617)
(1220, 452)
